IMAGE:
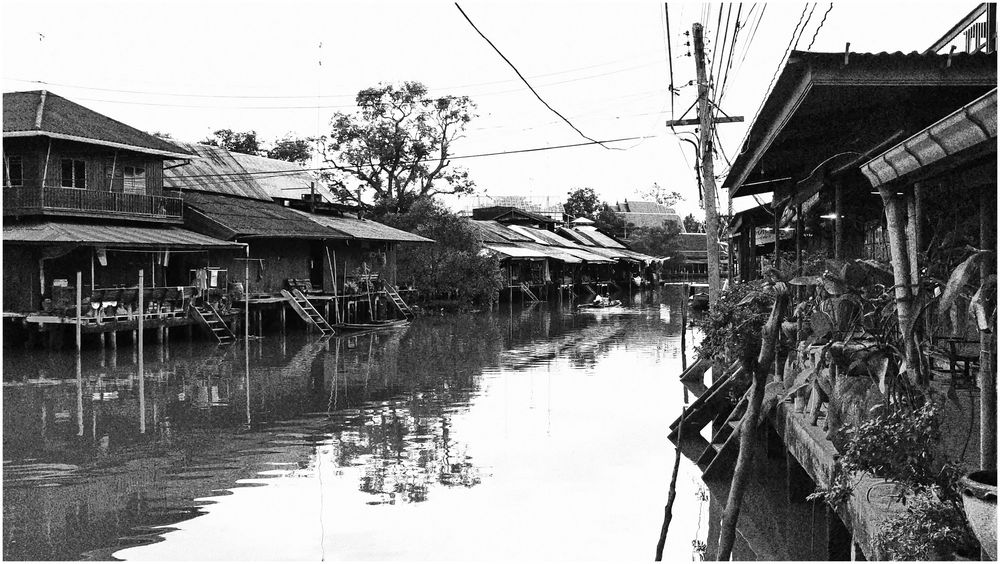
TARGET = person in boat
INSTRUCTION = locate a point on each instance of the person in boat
(601, 301)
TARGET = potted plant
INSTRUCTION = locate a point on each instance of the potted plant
(979, 500)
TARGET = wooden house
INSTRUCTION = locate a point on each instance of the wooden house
(829, 113)
(338, 263)
(83, 193)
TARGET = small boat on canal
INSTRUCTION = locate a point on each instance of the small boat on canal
(698, 297)
(372, 326)
(603, 305)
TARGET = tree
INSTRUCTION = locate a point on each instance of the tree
(659, 195)
(237, 141)
(292, 149)
(655, 241)
(582, 202)
(609, 221)
(397, 147)
(693, 224)
(453, 266)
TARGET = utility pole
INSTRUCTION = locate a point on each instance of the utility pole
(706, 122)
(707, 167)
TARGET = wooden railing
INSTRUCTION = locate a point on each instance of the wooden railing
(22, 200)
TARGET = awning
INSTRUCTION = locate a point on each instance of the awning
(110, 236)
(970, 126)
(517, 252)
(553, 253)
(364, 228)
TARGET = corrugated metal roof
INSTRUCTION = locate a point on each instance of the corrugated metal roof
(363, 228)
(966, 127)
(245, 217)
(493, 232)
(516, 252)
(575, 236)
(216, 171)
(543, 236)
(281, 179)
(556, 253)
(588, 256)
(843, 92)
(599, 239)
(40, 112)
(127, 236)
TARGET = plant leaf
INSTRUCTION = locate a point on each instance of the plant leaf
(821, 323)
(806, 281)
(957, 281)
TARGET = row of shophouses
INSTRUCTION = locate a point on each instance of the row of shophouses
(94, 208)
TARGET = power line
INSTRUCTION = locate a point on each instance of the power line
(275, 174)
(670, 59)
(803, 30)
(732, 49)
(309, 96)
(722, 48)
(528, 84)
(823, 21)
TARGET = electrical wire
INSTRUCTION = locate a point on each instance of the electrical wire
(732, 49)
(528, 84)
(823, 21)
(670, 58)
(803, 30)
(275, 174)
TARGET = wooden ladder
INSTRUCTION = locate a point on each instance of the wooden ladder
(306, 311)
(706, 408)
(398, 301)
(210, 319)
(722, 449)
(527, 292)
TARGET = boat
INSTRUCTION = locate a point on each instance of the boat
(375, 325)
(613, 303)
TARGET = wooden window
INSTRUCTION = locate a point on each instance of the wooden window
(134, 179)
(74, 173)
(13, 171)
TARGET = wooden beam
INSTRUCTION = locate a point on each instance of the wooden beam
(723, 119)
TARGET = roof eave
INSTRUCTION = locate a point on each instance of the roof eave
(66, 137)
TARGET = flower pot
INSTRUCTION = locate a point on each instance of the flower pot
(979, 498)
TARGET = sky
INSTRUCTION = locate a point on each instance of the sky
(188, 68)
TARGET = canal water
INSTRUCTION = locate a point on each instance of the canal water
(525, 433)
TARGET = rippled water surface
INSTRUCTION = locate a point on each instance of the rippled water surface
(532, 433)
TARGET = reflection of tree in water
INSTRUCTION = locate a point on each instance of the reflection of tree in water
(403, 442)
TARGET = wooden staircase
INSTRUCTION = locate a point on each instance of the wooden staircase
(527, 292)
(706, 408)
(210, 319)
(398, 301)
(722, 449)
(306, 311)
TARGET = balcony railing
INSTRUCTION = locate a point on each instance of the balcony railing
(26, 200)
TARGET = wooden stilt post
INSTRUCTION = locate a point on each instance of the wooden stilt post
(79, 311)
(838, 209)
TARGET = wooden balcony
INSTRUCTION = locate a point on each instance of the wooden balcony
(54, 200)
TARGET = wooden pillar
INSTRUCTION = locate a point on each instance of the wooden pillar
(777, 237)
(79, 311)
(752, 255)
(283, 319)
(113, 335)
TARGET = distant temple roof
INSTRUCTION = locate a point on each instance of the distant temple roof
(646, 214)
(42, 113)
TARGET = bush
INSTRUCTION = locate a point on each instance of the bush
(453, 266)
(733, 326)
(929, 529)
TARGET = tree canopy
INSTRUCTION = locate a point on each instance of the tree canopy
(693, 224)
(454, 265)
(292, 149)
(582, 202)
(237, 141)
(397, 147)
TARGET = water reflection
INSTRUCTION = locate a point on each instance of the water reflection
(120, 458)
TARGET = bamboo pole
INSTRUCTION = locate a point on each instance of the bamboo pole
(668, 510)
(333, 275)
(895, 209)
(744, 461)
(78, 360)
(141, 360)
